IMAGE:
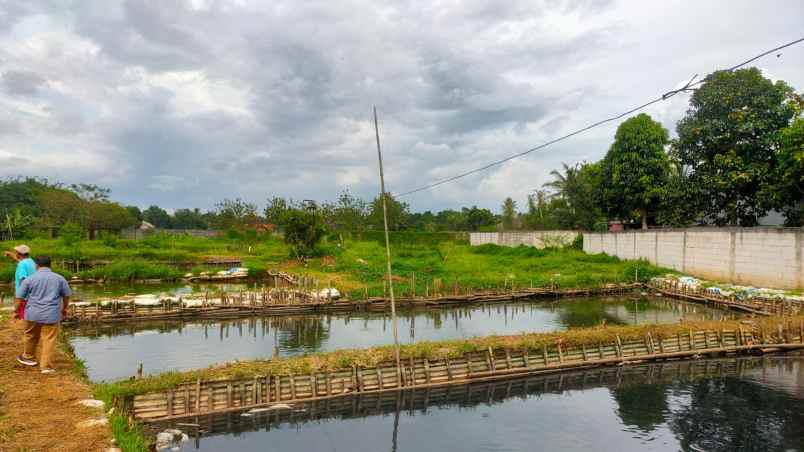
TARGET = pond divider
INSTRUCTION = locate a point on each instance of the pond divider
(291, 301)
(756, 305)
(221, 396)
(466, 394)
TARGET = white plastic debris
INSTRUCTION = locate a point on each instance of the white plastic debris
(329, 292)
(91, 403)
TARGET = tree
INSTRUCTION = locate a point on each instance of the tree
(158, 217)
(91, 192)
(786, 191)
(276, 209)
(728, 140)
(303, 230)
(538, 214)
(189, 219)
(234, 213)
(565, 184)
(105, 216)
(636, 168)
(349, 214)
(135, 212)
(398, 213)
(477, 218)
(509, 213)
(59, 207)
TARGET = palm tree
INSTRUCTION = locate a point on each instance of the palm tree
(565, 184)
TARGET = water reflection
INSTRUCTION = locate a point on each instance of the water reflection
(168, 345)
(751, 404)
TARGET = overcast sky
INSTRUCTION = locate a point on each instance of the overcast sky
(184, 103)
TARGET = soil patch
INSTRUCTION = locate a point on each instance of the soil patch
(41, 412)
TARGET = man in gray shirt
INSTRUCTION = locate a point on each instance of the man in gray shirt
(48, 295)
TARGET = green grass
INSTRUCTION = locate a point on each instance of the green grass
(361, 264)
(156, 257)
(355, 264)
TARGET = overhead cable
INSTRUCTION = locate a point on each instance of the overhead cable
(688, 87)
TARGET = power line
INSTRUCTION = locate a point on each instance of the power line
(663, 97)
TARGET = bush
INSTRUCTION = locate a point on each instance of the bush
(304, 229)
(109, 239)
(577, 242)
(71, 234)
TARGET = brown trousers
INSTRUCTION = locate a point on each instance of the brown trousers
(45, 333)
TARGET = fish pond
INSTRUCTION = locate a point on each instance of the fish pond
(727, 404)
(114, 351)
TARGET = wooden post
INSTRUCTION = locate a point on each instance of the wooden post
(198, 394)
(387, 245)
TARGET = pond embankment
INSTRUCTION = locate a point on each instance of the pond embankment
(430, 364)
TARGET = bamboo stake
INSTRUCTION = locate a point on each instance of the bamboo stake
(387, 245)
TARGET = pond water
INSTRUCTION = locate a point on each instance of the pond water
(175, 345)
(741, 404)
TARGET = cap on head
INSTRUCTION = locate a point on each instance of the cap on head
(22, 249)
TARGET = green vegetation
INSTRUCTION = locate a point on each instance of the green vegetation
(156, 256)
(358, 266)
(728, 146)
(636, 169)
(353, 263)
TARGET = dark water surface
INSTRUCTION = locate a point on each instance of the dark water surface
(736, 404)
(114, 351)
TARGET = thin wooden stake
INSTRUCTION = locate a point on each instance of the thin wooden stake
(387, 245)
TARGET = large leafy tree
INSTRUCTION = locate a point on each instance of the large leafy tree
(728, 140)
(303, 229)
(786, 192)
(636, 169)
(158, 217)
(477, 218)
(234, 213)
(349, 213)
(189, 219)
(398, 213)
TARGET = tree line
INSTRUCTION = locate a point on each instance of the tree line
(738, 155)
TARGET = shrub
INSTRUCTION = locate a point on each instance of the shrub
(304, 229)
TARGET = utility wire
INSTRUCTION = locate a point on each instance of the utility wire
(665, 96)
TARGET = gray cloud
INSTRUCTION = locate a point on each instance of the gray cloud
(21, 82)
(184, 103)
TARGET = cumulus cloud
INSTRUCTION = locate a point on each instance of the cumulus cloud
(187, 102)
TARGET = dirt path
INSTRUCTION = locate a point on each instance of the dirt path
(39, 412)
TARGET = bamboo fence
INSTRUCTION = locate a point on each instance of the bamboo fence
(756, 305)
(415, 401)
(293, 301)
(219, 396)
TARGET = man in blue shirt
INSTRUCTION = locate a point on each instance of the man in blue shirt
(48, 296)
(25, 268)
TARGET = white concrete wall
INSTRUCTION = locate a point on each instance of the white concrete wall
(538, 239)
(767, 257)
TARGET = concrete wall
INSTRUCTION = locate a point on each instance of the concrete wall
(767, 257)
(538, 239)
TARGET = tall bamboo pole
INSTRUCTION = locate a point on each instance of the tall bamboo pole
(387, 245)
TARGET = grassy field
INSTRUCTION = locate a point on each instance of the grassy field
(353, 265)
(359, 265)
(158, 256)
